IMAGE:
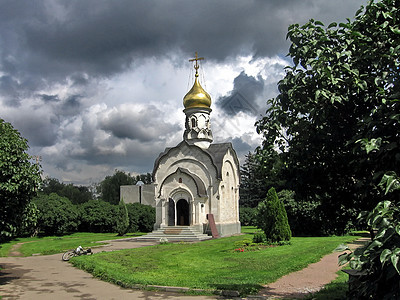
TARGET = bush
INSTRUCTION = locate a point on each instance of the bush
(272, 218)
(247, 216)
(141, 217)
(57, 215)
(259, 237)
(304, 217)
(122, 222)
(29, 224)
(98, 216)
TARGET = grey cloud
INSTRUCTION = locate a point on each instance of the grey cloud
(243, 97)
(49, 98)
(104, 37)
(39, 129)
(144, 125)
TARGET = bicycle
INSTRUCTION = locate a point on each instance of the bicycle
(76, 252)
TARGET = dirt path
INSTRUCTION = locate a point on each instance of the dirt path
(309, 280)
(48, 277)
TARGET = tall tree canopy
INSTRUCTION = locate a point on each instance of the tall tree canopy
(340, 97)
(110, 186)
(19, 179)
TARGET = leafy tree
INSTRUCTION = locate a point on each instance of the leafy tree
(122, 222)
(51, 185)
(304, 216)
(109, 188)
(57, 215)
(259, 172)
(19, 180)
(29, 225)
(77, 194)
(145, 178)
(247, 216)
(98, 216)
(272, 218)
(341, 92)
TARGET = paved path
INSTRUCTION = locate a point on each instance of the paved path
(48, 277)
(309, 280)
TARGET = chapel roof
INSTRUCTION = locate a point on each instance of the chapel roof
(216, 152)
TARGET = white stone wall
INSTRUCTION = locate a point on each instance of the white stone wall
(130, 194)
(229, 191)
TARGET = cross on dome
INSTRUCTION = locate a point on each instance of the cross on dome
(196, 65)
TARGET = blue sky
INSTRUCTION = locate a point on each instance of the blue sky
(98, 85)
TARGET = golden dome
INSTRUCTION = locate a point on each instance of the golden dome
(197, 96)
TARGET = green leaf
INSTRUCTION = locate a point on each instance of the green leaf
(344, 258)
(389, 182)
(397, 228)
(395, 30)
(395, 261)
(341, 247)
(385, 255)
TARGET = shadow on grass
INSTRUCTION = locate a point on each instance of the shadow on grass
(333, 291)
(243, 289)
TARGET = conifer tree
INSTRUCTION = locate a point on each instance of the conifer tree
(122, 218)
(272, 218)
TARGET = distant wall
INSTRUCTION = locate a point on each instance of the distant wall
(131, 194)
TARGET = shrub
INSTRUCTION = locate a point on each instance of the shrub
(98, 216)
(57, 215)
(247, 216)
(259, 237)
(304, 216)
(141, 217)
(122, 222)
(272, 218)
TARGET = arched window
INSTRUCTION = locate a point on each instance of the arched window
(180, 180)
(193, 120)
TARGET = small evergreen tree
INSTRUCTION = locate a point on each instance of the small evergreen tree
(272, 218)
(122, 223)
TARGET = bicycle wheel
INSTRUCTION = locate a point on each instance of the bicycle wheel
(67, 255)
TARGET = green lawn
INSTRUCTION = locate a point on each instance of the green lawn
(56, 244)
(208, 265)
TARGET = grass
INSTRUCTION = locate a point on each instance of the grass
(208, 265)
(57, 244)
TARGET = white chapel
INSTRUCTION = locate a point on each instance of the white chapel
(196, 183)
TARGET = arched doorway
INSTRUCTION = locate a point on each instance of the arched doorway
(182, 213)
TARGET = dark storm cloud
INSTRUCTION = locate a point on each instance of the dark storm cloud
(243, 97)
(53, 54)
(138, 124)
(54, 39)
(39, 130)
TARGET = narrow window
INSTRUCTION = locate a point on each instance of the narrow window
(180, 180)
(193, 122)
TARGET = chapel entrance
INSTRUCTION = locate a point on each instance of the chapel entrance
(182, 213)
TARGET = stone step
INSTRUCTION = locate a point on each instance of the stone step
(175, 233)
